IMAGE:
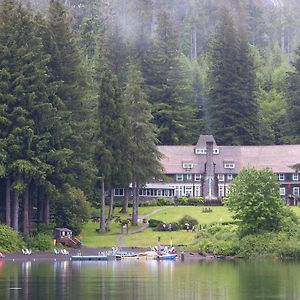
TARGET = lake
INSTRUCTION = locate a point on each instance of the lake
(136, 280)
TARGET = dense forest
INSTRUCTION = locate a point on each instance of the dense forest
(90, 87)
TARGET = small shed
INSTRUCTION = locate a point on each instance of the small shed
(61, 233)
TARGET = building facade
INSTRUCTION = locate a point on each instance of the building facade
(206, 169)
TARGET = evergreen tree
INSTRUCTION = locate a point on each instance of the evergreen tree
(111, 138)
(26, 99)
(233, 109)
(168, 86)
(293, 100)
(66, 66)
(143, 154)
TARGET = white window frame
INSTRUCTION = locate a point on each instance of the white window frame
(221, 190)
(188, 165)
(189, 176)
(221, 177)
(229, 165)
(281, 177)
(200, 151)
(197, 177)
(216, 151)
(229, 177)
(296, 191)
(295, 177)
(179, 177)
(282, 191)
(118, 192)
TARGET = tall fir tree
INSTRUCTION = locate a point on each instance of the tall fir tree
(111, 138)
(167, 84)
(293, 101)
(142, 151)
(232, 107)
(66, 66)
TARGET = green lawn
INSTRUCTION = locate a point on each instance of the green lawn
(149, 237)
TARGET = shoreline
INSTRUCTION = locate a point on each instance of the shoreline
(50, 256)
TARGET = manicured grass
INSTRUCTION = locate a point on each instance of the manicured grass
(173, 214)
(149, 237)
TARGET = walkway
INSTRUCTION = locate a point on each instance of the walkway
(120, 239)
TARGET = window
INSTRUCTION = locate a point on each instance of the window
(296, 191)
(200, 151)
(221, 177)
(229, 165)
(179, 177)
(221, 191)
(229, 176)
(282, 191)
(295, 176)
(197, 177)
(187, 165)
(281, 177)
(119, 192)
(197, 191)
(216, 151)
(188, 176)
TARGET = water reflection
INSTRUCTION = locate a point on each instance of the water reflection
(217, 280)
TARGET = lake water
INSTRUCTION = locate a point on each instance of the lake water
(139, 280)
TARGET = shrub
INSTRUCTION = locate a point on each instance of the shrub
(41, 241)
(187, 219)
(154, 223)
(9, 239)
(264, 244)
(165, 227)
(189, 201)
(164, 202)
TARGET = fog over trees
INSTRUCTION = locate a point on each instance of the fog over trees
(73, 73)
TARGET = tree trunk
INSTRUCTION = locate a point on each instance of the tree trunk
(111, 210)
(8, 203)
(125, 203)
(46, 210)
(26, 214)
(135, 205)
(102, 207)
(40, 208)
(15, 211)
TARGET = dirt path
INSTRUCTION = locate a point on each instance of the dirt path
(120, 239)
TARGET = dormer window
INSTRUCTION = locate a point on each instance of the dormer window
(216, 151)
(200, 151)
(229, 165)
(187, 165)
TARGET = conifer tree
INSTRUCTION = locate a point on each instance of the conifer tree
(167, 84)
(232, 107)
(66, 66)
(293, 100)
(111, 139)
(143, 154)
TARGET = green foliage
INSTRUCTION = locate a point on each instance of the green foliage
(165, 227)
(232, 107)
(189, 201)
(71, 209)
(154, 223)
(10, 240)
(41, 241)
(254, 200)
(264, 244)
(187, 219)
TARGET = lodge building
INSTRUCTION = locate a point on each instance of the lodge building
(206, 169)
